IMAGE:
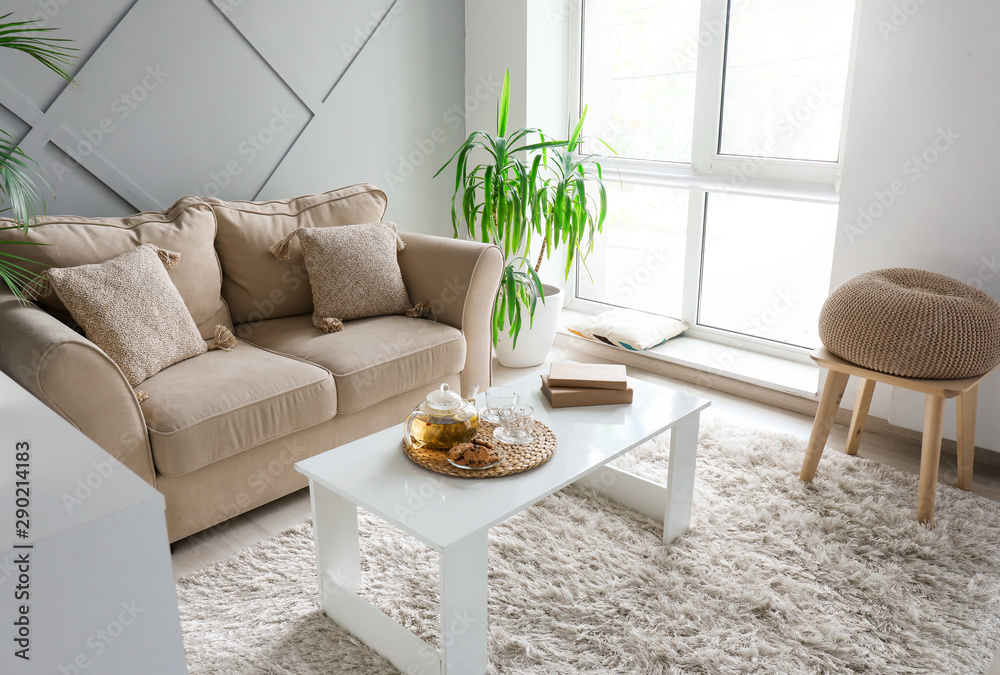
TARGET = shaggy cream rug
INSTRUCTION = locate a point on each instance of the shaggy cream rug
(776, 576)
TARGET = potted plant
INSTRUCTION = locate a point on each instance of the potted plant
(554, 195)
(18, 171)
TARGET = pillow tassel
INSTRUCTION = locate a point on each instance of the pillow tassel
(330, 325)
(400, 244)
(141, 396)
(422, 310)
(224, 340)
(168, 258)
(283, 249)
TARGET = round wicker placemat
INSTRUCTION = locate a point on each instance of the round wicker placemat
(519, 457)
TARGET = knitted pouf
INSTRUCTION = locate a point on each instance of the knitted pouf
(912, 323)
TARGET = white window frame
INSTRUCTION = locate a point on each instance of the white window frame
(711, 172)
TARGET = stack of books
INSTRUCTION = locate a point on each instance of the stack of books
(579, 384)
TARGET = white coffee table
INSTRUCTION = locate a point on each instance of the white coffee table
(453, 515)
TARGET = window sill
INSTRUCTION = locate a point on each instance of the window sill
(763, 370)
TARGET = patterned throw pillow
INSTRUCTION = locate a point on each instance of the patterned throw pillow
(627, 329)
(129, 307)
(353, 271)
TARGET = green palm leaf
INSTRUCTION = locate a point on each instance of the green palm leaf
(503, 106)
(51, 52)
(20, 174)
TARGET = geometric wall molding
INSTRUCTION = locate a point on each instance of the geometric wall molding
(242, 99)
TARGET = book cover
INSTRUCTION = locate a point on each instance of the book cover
(566, 397)
(588, 375)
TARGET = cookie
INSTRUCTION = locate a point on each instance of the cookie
(483, 442)
(476, 457)
(458, 451)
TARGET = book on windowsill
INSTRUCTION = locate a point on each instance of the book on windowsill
(588, 375)
(567, 397)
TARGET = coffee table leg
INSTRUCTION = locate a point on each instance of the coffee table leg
(463, 579)
(338, 551)
(680, 477)
(669, 503)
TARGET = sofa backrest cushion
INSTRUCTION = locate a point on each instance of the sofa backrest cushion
(258, 286)
(187, 227)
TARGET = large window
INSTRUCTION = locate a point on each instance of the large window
(728, 118)
(639, 262)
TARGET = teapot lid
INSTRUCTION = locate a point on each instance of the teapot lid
(444, 398)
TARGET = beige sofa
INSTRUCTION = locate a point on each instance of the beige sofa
(220, 431)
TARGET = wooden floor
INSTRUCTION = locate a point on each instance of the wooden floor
(199, 551)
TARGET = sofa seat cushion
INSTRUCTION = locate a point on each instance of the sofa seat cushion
(371, 359)
(218, 404)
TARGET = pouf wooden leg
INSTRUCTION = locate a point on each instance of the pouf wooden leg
(930, 457)
(965, 391)
(861, 406)
(829, 403)
(966, 409)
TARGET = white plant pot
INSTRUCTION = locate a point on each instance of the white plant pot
(533, 342)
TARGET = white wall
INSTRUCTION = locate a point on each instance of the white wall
(495, 41)
(923, 124)
(244, 99)
(531, 38)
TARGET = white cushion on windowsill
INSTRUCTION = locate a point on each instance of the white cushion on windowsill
(628, 329)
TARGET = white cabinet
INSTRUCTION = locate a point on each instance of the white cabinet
(89, 589)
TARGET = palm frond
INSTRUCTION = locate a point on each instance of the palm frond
(52, 52)
(20, 175)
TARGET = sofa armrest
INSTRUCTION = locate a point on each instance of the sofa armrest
(72, 376)
(460, 279)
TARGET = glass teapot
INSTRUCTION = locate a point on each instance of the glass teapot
(443, 420)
